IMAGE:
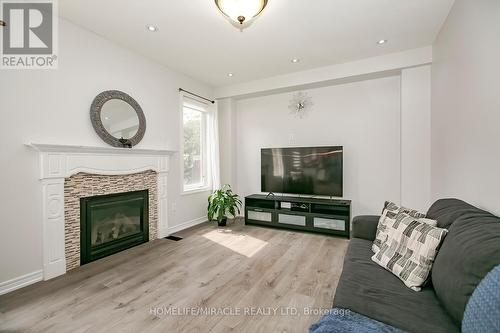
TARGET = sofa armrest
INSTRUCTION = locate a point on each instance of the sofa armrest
(365, 227)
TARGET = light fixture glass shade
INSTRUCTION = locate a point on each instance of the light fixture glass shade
(241, 11)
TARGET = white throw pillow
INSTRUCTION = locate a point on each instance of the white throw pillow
(391, 210)
(430, 222)
(410, 249)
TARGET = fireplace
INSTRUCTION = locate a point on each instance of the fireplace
(69, 173)
(112, 223)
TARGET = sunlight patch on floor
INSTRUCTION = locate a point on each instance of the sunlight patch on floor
(237, 242)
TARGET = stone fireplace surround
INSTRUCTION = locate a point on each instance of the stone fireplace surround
(61, 164)
(83, 185)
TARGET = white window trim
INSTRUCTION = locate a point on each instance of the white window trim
(197, 190)
(207, 186)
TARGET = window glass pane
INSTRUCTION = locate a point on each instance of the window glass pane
(193, 147)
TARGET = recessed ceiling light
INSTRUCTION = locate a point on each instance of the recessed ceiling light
(295, 60)
(230, 74)
(382, 41)
(152, 28)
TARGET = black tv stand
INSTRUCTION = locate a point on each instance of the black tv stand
(327, 216)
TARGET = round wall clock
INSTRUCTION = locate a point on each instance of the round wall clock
(300, 104)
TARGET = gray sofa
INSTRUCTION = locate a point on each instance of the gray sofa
(470, 250)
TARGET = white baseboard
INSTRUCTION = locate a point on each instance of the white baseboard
(20, 281)
(185, 225)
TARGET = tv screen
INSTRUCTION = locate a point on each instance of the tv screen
(313, 170)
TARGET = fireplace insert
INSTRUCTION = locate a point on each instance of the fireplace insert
(112, 223)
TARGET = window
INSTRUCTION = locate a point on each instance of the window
(195, 146)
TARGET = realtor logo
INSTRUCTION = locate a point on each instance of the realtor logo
(29, 34)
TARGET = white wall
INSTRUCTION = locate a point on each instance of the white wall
(53, 107)
(416, 138)
(466, 105)
(227, 137)
(364, 117)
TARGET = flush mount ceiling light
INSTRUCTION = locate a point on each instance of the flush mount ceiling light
(382, 41)
(230, 74)
(295, 60)
(241, 11)
(152, 28)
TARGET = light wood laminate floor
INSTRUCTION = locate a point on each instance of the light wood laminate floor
(241, 274)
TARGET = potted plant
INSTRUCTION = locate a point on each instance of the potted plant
(221, 202)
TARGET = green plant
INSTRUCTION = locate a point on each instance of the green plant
(223, 201)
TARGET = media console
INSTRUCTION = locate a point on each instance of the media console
(327, 216)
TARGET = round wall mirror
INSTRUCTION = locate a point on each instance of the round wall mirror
(118, 119)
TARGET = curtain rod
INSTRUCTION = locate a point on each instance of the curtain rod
(206, 99)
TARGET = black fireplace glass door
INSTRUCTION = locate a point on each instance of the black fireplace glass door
(112, 223)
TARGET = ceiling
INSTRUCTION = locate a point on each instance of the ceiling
(195, 39)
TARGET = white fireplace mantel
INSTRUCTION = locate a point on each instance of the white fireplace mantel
(58, 162)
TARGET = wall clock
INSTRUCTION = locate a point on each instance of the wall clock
(300, 104)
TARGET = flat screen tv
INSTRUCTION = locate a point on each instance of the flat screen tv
(305, 170)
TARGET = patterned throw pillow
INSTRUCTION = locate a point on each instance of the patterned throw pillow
(391, 210)
(410, 249)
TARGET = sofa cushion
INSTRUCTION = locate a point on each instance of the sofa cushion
(446, 211)
(364, 226)
(370, 290)
(391, 210)
(410, 250)
(471, 249)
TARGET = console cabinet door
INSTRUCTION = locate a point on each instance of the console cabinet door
(331, 224)
(260, 215)
(299, 220)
